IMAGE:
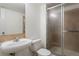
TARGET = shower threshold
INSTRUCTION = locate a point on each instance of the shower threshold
(58, 52)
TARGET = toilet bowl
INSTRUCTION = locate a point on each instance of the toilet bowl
(37, 47)
(43, 52)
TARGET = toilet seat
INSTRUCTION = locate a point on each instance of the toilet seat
(43, 52)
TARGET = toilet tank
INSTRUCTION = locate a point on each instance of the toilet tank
(36, 44)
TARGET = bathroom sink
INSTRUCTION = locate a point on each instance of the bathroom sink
(14, 46)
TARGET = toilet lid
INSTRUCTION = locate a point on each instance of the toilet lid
(43, 52)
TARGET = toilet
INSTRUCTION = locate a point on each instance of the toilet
(37, 48)
(43, 52)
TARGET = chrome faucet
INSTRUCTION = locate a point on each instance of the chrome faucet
(17, 39)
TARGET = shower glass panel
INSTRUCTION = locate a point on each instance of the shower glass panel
(54, 29)
(71, 29)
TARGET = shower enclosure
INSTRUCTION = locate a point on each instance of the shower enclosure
(63, 29)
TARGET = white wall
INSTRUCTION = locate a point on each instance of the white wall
(43, 24)
(33, 20)
(36, 21)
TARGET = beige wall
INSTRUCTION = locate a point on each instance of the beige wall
(11, 37)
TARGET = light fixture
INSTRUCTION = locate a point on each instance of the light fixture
(53, 15)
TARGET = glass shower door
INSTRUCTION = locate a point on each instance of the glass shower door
(54, 29)
(71, 29)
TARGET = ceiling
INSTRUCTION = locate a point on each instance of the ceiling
(20, 7)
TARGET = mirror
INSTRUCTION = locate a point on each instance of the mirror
(12, 19)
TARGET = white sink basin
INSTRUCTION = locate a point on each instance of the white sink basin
(12, 47)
